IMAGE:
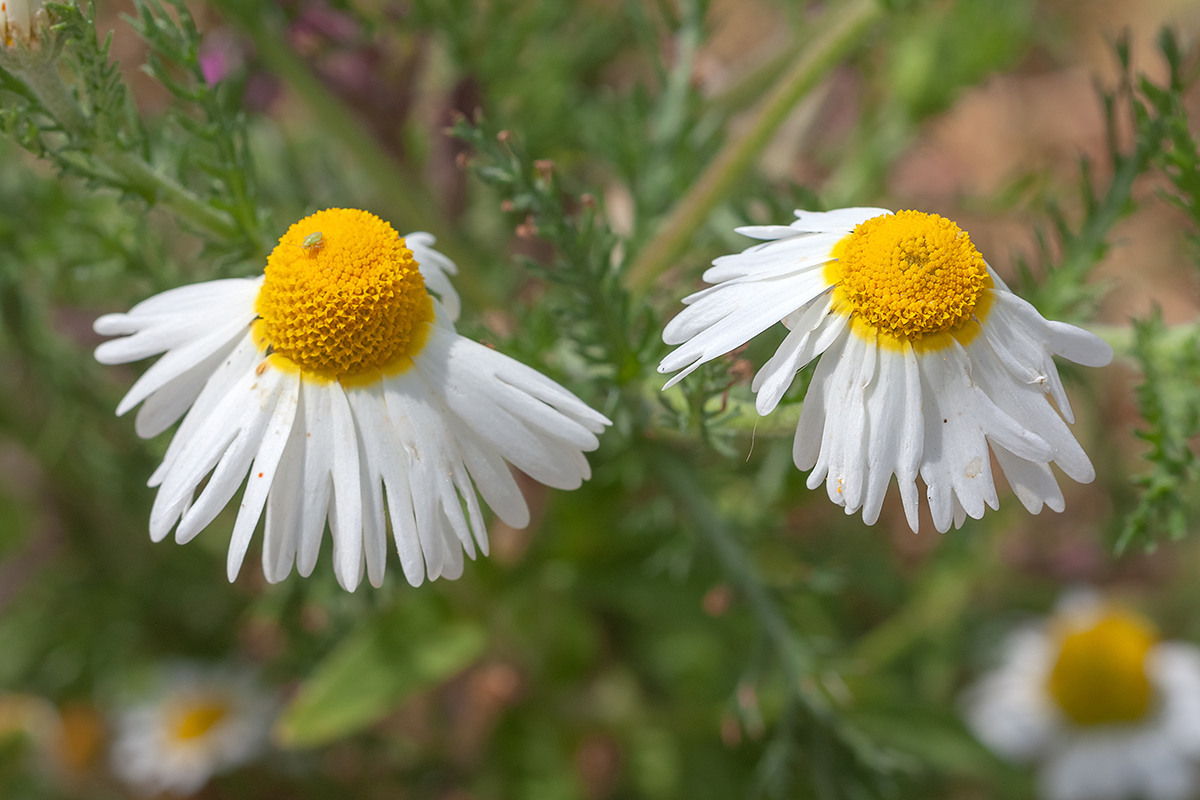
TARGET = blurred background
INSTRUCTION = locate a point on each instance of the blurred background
(608, 650)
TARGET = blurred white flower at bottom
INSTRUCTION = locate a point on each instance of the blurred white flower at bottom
(1107, 709)
(200, 721)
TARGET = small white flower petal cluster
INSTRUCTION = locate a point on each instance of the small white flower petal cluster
(1156, 758)
(150, 756)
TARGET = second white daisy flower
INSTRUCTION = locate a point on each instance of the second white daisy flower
(338, 382)
(1107, 709)
(926, 359)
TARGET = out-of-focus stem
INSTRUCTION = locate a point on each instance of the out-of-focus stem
(398, 188)
(839, 29)
(42, 77)
(1120, 337)
(796, 658)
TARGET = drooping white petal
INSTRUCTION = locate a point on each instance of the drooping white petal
(261, 399)
(346, 507)
(285, 502)
(436, 269)
(798, 253)
(1027, 405)
(470, 380)
(1033, 483)
(840, 462)
(163, 408)
(895, 433)
(813, 332)
(235, 412)
(178, 361)
(262, 473)
(733, 317)
(231, 370)
(956, 464)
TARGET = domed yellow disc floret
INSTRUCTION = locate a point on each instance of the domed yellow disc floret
(908, 274)
(1100, 677)
(343, 297)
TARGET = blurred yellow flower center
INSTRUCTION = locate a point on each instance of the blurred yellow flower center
(343, 296)
(1100, 675)
(192, 720)
(908, 274)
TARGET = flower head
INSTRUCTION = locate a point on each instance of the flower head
(926, 361)
(198, 721)
(1108, 709)
(337, 381)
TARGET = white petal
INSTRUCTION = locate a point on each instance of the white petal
(435, 269)
(810, 431)
(262, 474)
(178, 361)
(236, 365)
(285, 503)
(797, 253)
(811, 334)
(468, 379)
(168, 404)
(1033, 483)
(346, 516)
(842, 219)
(956, 463)
(1076, 344)
(735, 316)
(316, 471)
(895, 433)
(370, 414)
(235, 412)
(843, 446)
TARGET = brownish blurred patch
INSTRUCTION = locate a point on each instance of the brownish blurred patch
(598, 763)
(508, 544)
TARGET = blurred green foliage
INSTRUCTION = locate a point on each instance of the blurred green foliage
(691, 623)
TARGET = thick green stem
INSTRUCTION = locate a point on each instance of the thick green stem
(141, 176)
(42, 77)
(840, 28)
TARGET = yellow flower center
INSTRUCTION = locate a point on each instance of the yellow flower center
(343, 297)
(191, 720)
(1100, 675)
(908, 274)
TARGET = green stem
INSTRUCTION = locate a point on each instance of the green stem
(42, 77)
(145, 180)
(796, 657)
(840, 28)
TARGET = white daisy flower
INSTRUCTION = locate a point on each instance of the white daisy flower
(928, 359)
(337, 380)
(199, 722)
(1108, 709)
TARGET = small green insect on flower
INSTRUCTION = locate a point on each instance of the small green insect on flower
(315, 239)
